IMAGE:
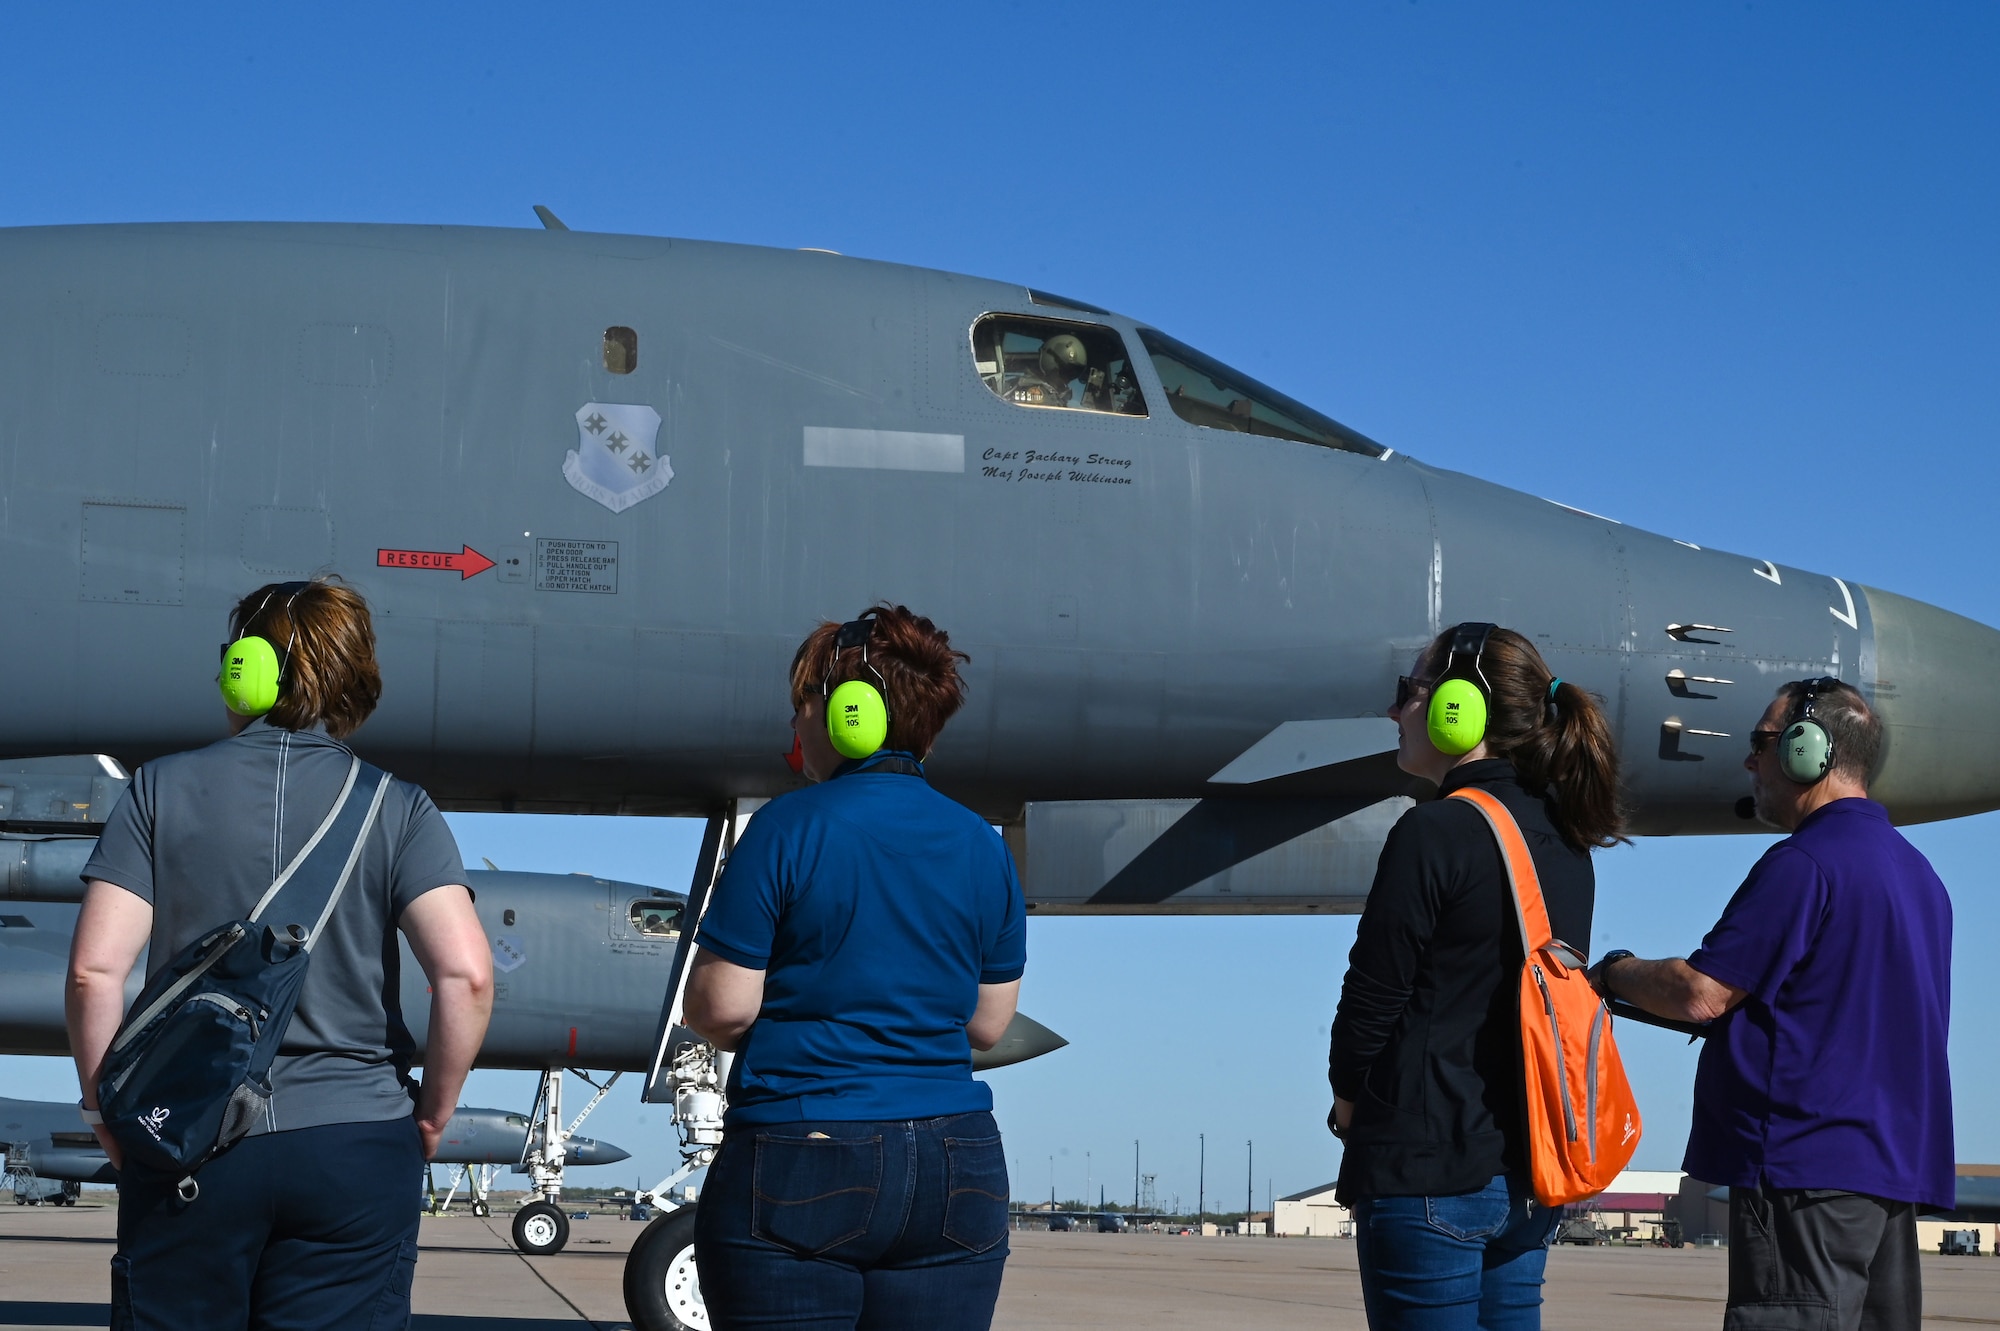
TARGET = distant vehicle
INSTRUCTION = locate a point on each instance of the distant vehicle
(1061, 1224)
(31, 1191)
(1579, 1230)
(1110, 1222)
(640, 1211)
(579, 1215)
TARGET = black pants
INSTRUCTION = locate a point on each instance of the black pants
(1814, 1259)
(309, 1230)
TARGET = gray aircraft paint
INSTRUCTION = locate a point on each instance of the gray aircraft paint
(187, 411)
(46, 1138)
(576, 982)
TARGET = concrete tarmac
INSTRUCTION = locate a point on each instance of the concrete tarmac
(53, 1273)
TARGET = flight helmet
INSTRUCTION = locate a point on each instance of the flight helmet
(1063, 358)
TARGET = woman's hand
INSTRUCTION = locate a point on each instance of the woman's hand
(112, 930)
(110, 1145)
(994, 1014)
(722, 1000)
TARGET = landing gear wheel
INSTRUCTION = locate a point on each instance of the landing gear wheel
(540, 1230)
(481, 1209)
(662, 1287)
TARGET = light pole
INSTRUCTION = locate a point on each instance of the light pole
(1249, 1182)
(1201, 1186)
(1135, 1177)
(1086, 1178)
(1052, 1185)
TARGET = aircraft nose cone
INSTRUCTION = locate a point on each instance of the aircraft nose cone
(1025, 1038)
(590, 1151)
(1933, 673)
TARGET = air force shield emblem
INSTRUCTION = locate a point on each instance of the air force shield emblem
(616, 460)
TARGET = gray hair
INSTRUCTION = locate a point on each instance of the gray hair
(1848, 720)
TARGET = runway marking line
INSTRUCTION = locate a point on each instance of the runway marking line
(567, 1302)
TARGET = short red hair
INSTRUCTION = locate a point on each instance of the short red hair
(920, 679)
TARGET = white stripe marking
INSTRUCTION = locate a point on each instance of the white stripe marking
(884, 450)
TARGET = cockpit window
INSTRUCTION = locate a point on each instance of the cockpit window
(1203, 391)
(1055, 363)
(657, 919)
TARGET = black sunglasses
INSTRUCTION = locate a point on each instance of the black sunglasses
(1408, 687)
(1761, 740)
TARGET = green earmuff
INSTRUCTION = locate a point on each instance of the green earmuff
(1805, 750)
(857, 720)
(252, 668)
(250, 676)
(857, 715)
(1456, 719)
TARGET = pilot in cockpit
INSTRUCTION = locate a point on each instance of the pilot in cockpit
(1060, 377)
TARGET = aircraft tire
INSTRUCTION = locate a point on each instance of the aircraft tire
(481, 1209)
(540, 1230)
(662, 1288)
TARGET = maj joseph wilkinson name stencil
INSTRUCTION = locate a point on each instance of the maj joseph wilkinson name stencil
(1021, 465)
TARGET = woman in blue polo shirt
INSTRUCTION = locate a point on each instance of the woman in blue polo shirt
(867, 936)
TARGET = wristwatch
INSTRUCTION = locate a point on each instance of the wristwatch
(88, 1115)
(1604, 963)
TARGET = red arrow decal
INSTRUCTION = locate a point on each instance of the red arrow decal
(468, 562)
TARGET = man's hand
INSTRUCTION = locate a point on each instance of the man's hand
(1669, 988)
(1343, 1113)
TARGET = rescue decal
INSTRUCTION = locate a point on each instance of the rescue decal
(616, 460)
(467, 562)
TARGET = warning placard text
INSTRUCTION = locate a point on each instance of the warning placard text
(576, 566)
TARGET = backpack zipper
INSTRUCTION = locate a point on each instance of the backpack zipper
(230, 938)
(1590, 1078)
(231, 1006)
(1555, 1027)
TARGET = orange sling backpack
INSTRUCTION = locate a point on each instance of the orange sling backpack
(1583, 1124)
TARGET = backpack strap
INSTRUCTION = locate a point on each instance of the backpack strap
(1529, 910)
(326, 861)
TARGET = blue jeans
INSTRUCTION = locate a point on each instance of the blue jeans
(1471, 1260)
(889, 1225)
(312, 1228)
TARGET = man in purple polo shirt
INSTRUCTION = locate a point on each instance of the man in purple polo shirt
(1823, 1096)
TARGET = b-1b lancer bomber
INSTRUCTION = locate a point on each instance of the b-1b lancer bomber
(598, 487)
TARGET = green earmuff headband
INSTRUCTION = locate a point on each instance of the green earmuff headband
(857, 715)
(1805, 750)
(252, 669)
(1456, 720)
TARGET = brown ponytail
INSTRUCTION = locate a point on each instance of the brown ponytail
(1559, 742)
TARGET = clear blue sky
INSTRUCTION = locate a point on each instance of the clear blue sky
(1726, 272)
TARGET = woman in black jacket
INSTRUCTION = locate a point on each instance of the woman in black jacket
(1426, 1060)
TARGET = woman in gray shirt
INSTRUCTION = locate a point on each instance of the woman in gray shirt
(316, 1210)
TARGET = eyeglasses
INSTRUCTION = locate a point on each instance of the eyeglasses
(1408, 687)
(1761, 740)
